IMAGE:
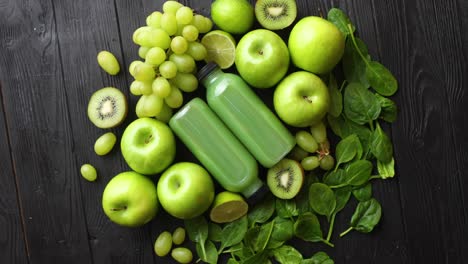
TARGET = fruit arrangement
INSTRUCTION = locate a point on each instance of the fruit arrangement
(319, 144)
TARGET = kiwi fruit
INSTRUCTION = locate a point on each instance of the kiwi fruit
(275, 14)
(107, 107)
(285, 179)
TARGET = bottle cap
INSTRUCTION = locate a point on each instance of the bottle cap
(207, 69)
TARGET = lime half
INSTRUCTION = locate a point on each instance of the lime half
(221, 48)
(227, 207)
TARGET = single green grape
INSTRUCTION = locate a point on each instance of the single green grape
(178, 236)
(168, 69)
(297, 153)
(179, 45)
(105, 143)
(88, 172)
(139, 87)
(327, 162)
(166, 114)
(208, 25)
(319, 132)
(171, 7)
(161, 87)
(306, 141)
(163, 244)
(169, 23)
(310, 163)
(182, 255)
(155, 56)
(190, 33)
(152, 37)
(142, 51)
(154, 20)
(203, 24)
(175, 99)
(131, 67)
(197, 51)
(184, 62)
(186, 82)
(108, 62)
(184, 15)
(152, 104)
(140, 109)
(144, 72)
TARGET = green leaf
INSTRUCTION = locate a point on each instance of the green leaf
(209, 253)
(366, 217)
(335, 178)
(386, 170)
(214, 232)
(389, 108)
(318, 258)
(342, 197)
(233, 261)
(197, 229)
(233, 232)
(287, 255)
(362, 132)
(286, 208)
(381, 146)
(283, 230)
(363, 193)
(354, 66)
(260, 257)
(341, 21)
(322, 199)
(337, 125)
(358, 172)
(336, 98)
(346, 149)
(381, 79)
(262, 211)
(360, 105)
(259, 237)
(307, 228)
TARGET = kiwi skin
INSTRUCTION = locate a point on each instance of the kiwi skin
(294, 181)
(119, 104)
(275, 14)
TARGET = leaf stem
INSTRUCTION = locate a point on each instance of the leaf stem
(371, 124)
(357, 47)
(330, 228)
(328, 243)
(343, 85)
(346, 231)
(374, 177)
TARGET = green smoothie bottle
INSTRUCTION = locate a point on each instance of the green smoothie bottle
(245, 114)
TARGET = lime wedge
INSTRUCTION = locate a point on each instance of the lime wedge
(227, 207)
(221, 48)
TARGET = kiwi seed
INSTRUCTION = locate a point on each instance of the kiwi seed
(275, 14)
(107, 107)
(285, 178)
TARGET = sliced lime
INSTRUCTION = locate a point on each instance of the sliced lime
(221, 48)
(227, 207)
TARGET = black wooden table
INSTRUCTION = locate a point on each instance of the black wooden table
(48, 70)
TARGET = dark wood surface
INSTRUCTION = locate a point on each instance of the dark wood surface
(48, 70)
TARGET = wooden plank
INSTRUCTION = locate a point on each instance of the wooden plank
(84, 28)
(12, 239)
(40, 136)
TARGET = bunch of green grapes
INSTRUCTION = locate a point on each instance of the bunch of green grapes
(313, 148)
(169, 46)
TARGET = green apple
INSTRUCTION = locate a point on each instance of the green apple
(130, 199)
(262, 58)
(185, 190)
(148, 146)
(301, 99)
(233, 16)
(316, 45)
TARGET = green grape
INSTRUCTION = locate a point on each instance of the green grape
(169, 23)
(202, 23)
(327, 162)
(149, 105)
(184, 62)
(108, 62)
(184, 15)
(144, 72)
(206, 26)
(171, 7)
(178, 237)
(297, 153)
(319, 132)
(190, 33)
(140, 87)
(197, 51)
(154, 20)
(140, 109)
(155, 56)
(142, 51)
(152, 37)
(175, 98)
(306, 141)
(162, 87)
(88, 172)
(166, 114)
(131, 67)
(186, 82)
(168, 69)
(310, 163)
(163, 244)
(105, 143)
(179, 45)
(182, 255)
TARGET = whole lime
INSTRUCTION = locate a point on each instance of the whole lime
(233, 16)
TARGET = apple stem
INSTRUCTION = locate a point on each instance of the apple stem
(307, 99)
(119, 209)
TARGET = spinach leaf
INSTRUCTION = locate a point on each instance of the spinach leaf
(335, 178)
(346, 149)
(389, 108)
(381, 146)
(307, 228)
(260, 257)
(286, 208)
(322, 199)
(233, 261)
(386, 170)
(363, 193)
(341, 21)
(208, 253)
(287, 255)
(262, 211)
(358, 172)
(354, 66)
(214, 232)
(337, 124)
(283, 230)
(366, 217)
(197, 229)
(336, 98)
(233, 232)
(381, 79)
(260, 242)
(362, 132)
(342, 196)
(360, 105)
(318, 258)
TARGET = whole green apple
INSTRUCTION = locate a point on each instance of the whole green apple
(316, 45)
(262, 58)
(233, 16)
(301, 99)
(148, 146)
(185, 190)
(130, 199)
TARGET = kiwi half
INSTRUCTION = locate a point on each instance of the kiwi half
(107, 107)
(285, 179)
(275, 14)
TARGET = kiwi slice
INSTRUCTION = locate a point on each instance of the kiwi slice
(107, 107)
(275, 14)
(227, 207)
(285, 178)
